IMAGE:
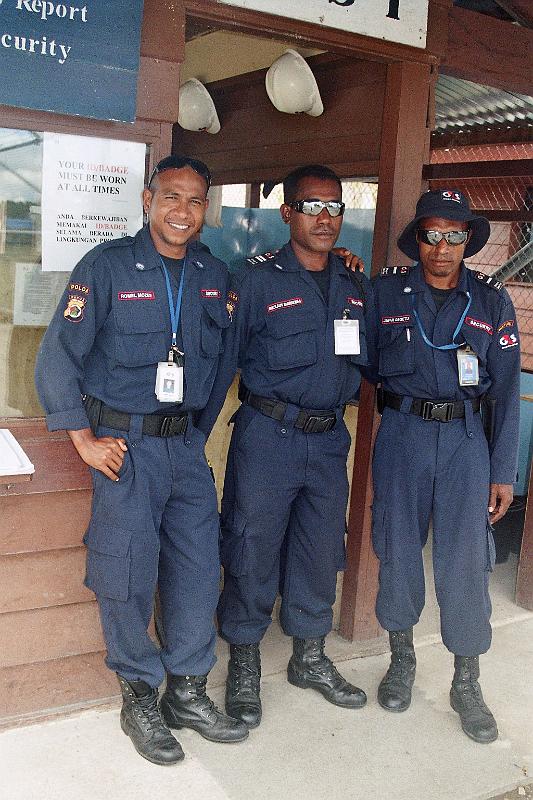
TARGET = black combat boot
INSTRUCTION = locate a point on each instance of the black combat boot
(243, 684)
(141, 721)
(394, 691)
(466, 698)
(309, 667)
(185, 704)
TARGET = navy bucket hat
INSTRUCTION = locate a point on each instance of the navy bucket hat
(448, 204)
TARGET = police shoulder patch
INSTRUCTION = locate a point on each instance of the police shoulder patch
(388, 271)
(268, 256)
(488, 280)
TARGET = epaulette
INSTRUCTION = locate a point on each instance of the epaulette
(91, 256)
(387, 271)
(488, 280)
(261, 259)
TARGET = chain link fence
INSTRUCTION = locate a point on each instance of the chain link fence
(508, 203)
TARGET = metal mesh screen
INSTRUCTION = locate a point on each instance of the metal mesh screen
(508, 203)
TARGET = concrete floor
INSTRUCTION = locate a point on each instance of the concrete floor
(306, 747)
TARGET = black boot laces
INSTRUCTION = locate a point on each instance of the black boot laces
(320, 664)
(247, 677)
(199, 697)
(146, 713)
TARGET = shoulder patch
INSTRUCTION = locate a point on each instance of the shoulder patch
(388, 271)
(488, 280)
(261, 259)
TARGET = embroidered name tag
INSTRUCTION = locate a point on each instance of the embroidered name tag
(354, 301)
(479, 324)
(136, 295)
(210, 293)
(400, 319)
(281, 304)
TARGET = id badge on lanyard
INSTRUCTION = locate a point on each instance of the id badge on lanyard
(468, 367)
(169, 375)
(346, 336)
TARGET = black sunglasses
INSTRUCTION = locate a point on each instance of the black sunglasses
(434, 237)
(315, 207)
(178, 162)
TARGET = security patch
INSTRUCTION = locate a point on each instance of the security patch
(138, 295)
(395, 271)
(400, 319)
(282, 304)
(479, 324)
(74, 310)
(508, 340)
(355, 301)
(213, 293)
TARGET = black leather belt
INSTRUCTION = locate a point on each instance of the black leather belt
(153, 424)
(442, 411)
(307, 421)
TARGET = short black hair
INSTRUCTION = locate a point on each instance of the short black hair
(291, 181)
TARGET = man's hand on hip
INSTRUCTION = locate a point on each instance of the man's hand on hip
(105, 454)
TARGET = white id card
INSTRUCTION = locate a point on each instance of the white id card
(468, 367)
(347, 337)
(169, 382)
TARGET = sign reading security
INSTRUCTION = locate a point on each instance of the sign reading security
(403, 21)
(71, 58)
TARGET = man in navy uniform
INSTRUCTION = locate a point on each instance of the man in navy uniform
(447, 338)
(127, 362)
(299, 336)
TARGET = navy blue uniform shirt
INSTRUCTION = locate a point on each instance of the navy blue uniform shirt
(112, 327)
(408, 366)
(282, 336)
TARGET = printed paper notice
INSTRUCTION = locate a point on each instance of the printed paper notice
(36, 295)
(91, 193)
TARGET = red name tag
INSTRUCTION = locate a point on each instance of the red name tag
(210, 293)
(294, 301)
(479, 324)
(398, 320)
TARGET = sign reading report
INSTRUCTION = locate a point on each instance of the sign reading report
(71, 57)
(91, 193)
(403, 21)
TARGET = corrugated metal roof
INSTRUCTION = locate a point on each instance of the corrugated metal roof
(462, 104)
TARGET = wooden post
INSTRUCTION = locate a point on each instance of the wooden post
(404, 151)
(524, 578)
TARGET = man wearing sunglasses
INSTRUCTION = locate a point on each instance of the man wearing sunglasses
(446, 449)
(125, 365)
(299, 336)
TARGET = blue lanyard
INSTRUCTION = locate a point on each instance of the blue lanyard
(174, 311)
(451, 346)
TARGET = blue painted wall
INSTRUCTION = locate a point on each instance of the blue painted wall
(526, 434)
(251, 231)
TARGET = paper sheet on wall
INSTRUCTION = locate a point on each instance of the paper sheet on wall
(36, 295)
(91, 193)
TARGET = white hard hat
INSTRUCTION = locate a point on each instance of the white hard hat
(197, 111)
(292, 87)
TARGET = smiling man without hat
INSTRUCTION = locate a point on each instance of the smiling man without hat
(448, 351)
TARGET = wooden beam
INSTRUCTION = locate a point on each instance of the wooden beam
(404, 149)
(489, 51)
(524, 578)
(479, 169)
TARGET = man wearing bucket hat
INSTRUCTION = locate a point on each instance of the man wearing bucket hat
(446, 449)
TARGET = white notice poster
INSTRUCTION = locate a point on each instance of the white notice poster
(91, 193)
(36, 295)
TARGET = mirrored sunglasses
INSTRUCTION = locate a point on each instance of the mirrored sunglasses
(178, 162)
(315, 207)
(434, 237)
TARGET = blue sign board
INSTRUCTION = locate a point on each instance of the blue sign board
(71, 57)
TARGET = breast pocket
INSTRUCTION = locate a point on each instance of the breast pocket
(214, 319)
(479, 341)
(142, 336)
(396, 350)
(292, 342)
